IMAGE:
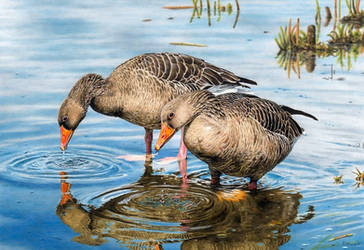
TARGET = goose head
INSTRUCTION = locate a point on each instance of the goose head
(70, 116)
(175, 114)
(74, 107)
(181, 111)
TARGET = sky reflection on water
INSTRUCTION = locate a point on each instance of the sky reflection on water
(46, 47)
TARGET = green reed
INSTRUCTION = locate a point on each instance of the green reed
(356, 15)
(215, 9)
(353, 6)
(346, 34)
(298, 47)
(290, 37)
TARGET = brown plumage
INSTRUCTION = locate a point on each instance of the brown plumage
(138, 89)
(236, 134)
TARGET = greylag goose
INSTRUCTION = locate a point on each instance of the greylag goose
(138, 89)
(236, 134)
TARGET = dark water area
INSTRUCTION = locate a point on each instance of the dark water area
(89, 197)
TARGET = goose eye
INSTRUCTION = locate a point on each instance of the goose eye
(65, 118)
(170, 116)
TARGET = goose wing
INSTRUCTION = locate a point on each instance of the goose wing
(271, 116)
(187, 72)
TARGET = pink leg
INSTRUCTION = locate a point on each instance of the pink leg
(252, 185)
(215, 177)
(182, 156)
(148, 138)
(182, 152)
(182, 164)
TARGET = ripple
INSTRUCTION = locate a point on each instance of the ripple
(84, 165)
(164, 208)
(160, 209)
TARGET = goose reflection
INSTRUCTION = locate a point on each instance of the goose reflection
(159, 209)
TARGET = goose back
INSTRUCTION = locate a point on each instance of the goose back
(141, 86)
(182, 72)
(271, 116)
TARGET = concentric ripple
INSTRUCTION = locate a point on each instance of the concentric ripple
(166, 207)
(80, 165)
(160, 209)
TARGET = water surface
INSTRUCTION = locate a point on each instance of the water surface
(88, 197)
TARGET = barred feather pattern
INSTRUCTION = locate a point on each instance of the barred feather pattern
(144, 84)
(206, 102)
(236, 134)
(184, 71)
(138, 89)
(270, 115)
(88, 87)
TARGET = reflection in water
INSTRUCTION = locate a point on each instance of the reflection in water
(318, 21)
(328, 16)
(293, 61)
(297, 47)
(346, 54)
(338, 179)
(216, 9)
(159, 209)
(356, 16)
(359, 178)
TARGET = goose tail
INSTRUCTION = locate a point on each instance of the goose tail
(246, 80)
(297, 112)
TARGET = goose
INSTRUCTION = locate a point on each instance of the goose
(137, 90)
(236, 134)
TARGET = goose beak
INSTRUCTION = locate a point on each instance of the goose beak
(165, 134)
(66, 135)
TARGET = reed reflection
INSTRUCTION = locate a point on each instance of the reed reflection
(298, 47)
(158, 209)
(215, 9)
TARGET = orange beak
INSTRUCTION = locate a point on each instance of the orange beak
(165, 134)
(66, 136)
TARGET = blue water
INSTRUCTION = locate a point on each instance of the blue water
(46, 47)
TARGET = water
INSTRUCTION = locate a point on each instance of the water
(87, 196)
